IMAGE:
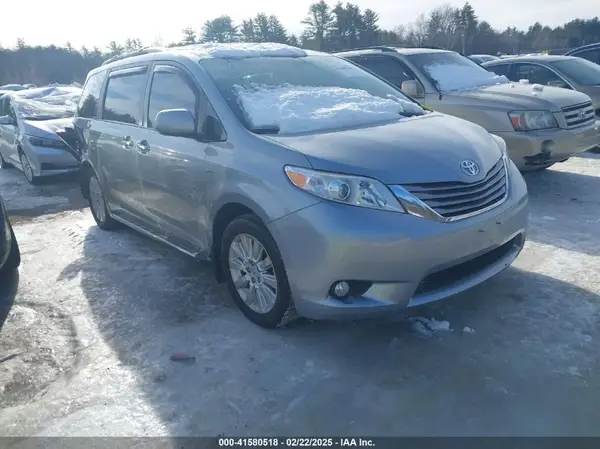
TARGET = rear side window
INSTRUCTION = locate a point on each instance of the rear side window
(590, 55)
(386, 67)
(124, 97)
(535, 74)
(170, 90)
(90, 97)
(501, 69)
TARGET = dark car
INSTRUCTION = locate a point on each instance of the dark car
(10, 256)
(591, 52)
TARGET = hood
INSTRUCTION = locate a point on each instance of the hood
(511, 96)
(46, 128)
(421, 149)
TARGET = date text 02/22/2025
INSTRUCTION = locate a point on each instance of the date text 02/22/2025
(295, 442)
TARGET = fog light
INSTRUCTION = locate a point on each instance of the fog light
(341, 289)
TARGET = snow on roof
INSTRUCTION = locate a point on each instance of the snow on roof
(454, 77)
(246, 50)
(52, 101)
(297, 109)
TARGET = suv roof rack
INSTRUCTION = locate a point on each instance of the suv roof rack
(372, 47)
(143, 51)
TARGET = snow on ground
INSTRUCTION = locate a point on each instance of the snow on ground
(27, 199)
(296, 109)
(95, 317)
(453, 77)
(246, 50)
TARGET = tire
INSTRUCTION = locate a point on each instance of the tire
(3, 164)
(98, 205)
(244, 229)
(27, 169)
(14, 257)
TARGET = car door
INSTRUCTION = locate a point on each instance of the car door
(118, 130)
(536, 74)
(9, 135)
(173, 169)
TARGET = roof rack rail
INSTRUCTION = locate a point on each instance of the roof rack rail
(372, 47)
(143, 51)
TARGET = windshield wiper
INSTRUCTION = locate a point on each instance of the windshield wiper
(265, 130)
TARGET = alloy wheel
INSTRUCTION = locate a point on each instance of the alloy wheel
(97, 200)
(27, 168)
(253, 273)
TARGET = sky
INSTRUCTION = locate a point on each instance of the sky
(89, 24)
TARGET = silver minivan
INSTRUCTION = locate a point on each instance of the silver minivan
(316, 188)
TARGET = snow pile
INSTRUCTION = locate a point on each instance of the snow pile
(51, 101)
(453, 77)
(246, 50)
(296, 109)
(428, 326)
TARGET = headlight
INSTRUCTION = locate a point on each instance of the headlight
(347, 189)
(47, 143)
(532, 120)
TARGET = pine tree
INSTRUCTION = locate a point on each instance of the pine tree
(319, 23)
(189, 36)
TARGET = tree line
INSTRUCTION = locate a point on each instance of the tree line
(326, 28)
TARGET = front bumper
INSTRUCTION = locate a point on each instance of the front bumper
(50, 161)
(532, 149)
(403, 260)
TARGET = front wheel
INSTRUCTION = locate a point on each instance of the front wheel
(28, 169)
(255, 273)
(98, 205)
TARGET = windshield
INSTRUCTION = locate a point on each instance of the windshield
(579, 70)
(39, 110)
(451, 71)
(304, 94)
(47, 103)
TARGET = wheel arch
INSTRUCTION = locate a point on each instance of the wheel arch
(85, 172)
(222, 217)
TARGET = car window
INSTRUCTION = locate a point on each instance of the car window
(591, 55)
(580, 70)
(11, 110)
(170, 90)
(386, 67)
(124, 96)
(501, 69)
(88, 104)
(535, 74)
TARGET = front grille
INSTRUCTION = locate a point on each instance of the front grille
(579, 115)
(444, 278)
(455, 199)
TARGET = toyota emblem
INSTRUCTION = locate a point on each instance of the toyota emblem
(582, 113)
(469, 167)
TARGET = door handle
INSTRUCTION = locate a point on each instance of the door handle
(127, 142)
(143, 146)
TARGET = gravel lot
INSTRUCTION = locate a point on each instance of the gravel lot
(94, 318)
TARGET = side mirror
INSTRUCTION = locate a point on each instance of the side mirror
(175, 122)
(212, 130)
(412, 88)
(6, 120)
